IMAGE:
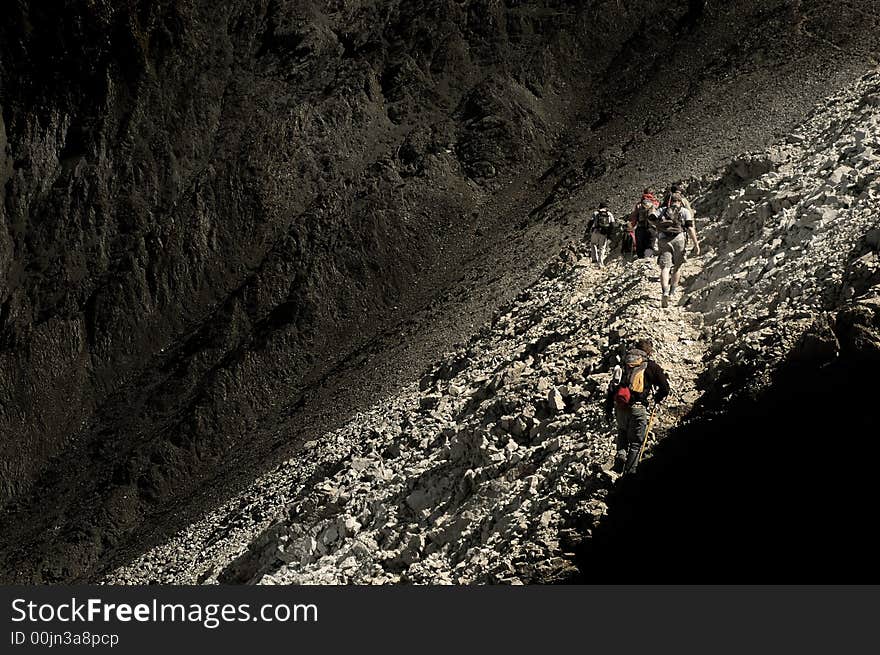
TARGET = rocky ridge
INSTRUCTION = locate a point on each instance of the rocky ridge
(797, 237)
(492, 467)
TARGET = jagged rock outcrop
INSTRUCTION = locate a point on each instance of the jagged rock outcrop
(799, 238)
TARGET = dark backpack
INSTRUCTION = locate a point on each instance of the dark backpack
(669, 221)
(644, 211)
(603, 221)
(631, 385)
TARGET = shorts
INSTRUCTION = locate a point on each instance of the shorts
(598, 238)
(672, 250)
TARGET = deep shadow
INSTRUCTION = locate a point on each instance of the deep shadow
(779, 488)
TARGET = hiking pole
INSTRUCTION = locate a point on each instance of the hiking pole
(647, 432)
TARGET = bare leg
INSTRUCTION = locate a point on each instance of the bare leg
(664, 280)
(675, 275)
(664, 286)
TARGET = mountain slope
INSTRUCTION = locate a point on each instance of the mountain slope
(492, 467)
(229, 228)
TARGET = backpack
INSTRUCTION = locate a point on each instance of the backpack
(631, 385)
(669, 221)
(644, 211)
(603, 221)
(684, 201)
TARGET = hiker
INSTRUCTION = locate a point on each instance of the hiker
(673, 189)
(674, 224)
(599, 229)
(631, 387)
(640, 222)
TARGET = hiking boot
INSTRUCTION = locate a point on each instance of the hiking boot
(665, 301)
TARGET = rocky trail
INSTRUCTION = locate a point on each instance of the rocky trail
(493, 467)
(488, 470)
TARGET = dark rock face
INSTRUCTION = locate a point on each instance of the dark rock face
(207, 207)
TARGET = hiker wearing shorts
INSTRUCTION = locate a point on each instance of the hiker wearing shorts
(599, 230)
(632, 385)
(674, 224)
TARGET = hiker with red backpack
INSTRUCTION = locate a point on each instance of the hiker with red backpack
(640, 222)
(632, 385)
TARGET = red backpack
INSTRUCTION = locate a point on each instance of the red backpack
(632, 380)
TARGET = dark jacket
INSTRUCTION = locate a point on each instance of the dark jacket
(656, 381)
